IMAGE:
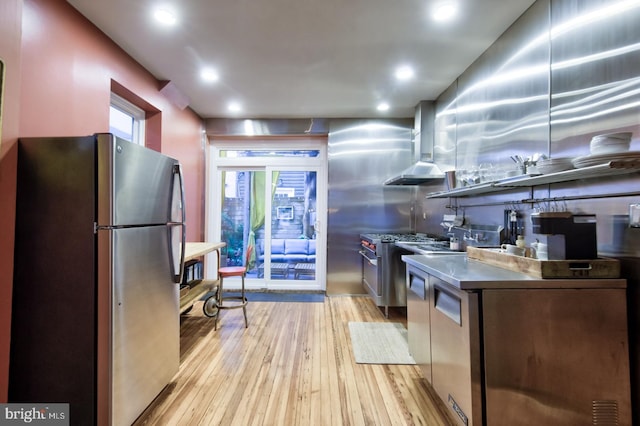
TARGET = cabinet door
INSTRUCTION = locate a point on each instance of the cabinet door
(418, 327)
(455, 350)
(558, 355)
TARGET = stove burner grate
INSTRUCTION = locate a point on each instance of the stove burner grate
(392, 238)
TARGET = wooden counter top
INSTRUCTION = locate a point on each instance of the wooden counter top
(195, 250)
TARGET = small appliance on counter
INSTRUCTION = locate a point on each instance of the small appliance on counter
(569, 236)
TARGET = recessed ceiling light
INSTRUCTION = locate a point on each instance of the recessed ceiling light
(234, 107)
(444, 11)
(209, 75)
(404, 72)
(165, 16)
(383, 106)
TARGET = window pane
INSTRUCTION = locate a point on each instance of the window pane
(293, 219)
(126, 120)
(120, 124)
(292, 243)
(237, 210)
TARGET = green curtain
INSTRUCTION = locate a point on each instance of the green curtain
(258, 207)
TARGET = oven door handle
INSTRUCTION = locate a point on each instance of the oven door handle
(373, 262)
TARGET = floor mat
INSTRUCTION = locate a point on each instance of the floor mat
(380, 343)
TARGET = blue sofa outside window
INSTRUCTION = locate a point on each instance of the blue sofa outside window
(287, 251)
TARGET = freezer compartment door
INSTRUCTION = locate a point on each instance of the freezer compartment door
(135, 184)
(146, 335)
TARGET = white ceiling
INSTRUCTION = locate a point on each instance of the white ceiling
(304, 58)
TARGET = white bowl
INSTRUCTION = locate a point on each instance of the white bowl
(610, 143)
(620, 135)
(609, 147)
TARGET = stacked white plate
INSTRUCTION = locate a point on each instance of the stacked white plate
(594, 160)
(610, 143)
(554, 165)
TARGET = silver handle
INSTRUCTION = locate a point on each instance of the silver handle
(373, 262)
(177, 172)
(417, 285)
(447, 303)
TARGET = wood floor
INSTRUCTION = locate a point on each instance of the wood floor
(292, 366)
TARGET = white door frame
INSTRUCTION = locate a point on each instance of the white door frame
(213, 198)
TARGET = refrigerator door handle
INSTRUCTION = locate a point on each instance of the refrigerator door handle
(178, 183)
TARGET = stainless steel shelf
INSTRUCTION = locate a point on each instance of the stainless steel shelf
(481, 188)
(612, 168)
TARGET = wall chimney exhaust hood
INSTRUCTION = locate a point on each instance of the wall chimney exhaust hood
(423, 169)
(417, 174)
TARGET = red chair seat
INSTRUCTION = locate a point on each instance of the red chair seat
(230, 271)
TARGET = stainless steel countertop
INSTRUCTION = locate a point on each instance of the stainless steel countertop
(469, 274)
(417, 247)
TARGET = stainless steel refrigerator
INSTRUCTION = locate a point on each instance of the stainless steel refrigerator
(99, 251)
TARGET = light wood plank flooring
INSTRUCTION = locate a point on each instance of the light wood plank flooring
(292, 366)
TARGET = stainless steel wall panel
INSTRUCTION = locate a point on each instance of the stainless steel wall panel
(445, 136)
(362, 154)
(595, 85)
(503, 97)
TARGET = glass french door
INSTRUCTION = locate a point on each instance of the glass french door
(268, 218)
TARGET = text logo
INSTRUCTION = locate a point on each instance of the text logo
(34, 414)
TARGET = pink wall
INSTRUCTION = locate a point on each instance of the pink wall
(67, 70)
(60, 74)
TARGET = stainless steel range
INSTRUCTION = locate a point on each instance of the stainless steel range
(383, 271)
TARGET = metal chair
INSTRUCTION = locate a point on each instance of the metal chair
(240, 301)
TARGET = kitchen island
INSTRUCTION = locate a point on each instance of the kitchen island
(502, 348)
